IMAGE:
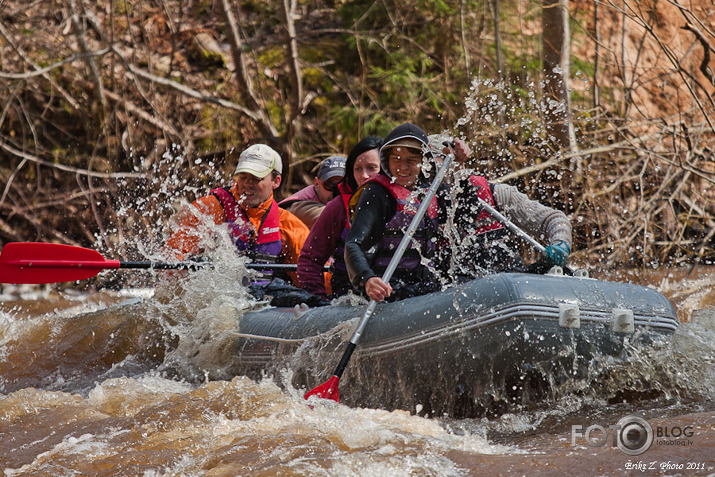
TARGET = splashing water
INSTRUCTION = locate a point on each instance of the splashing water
(160, 410)
(142, 385)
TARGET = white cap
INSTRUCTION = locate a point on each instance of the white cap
(259, 160)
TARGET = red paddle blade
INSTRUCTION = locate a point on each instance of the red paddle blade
(327, 390)
(34, 262)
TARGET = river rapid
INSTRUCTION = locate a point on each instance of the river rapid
(132, 382)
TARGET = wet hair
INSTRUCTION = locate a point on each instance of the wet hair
(366, 144)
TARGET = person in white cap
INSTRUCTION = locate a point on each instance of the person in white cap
(308, 203)
(258, 226)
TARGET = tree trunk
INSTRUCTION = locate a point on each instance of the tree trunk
(597, 45)
(293, 123)
(556, 58)
(243, 77)
(499, 60)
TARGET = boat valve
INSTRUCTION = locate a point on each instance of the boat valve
(623, 321)
(569, 316)
(581, 273)
(300, 310)
(556, 270)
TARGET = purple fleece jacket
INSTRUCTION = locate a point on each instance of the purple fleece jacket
(320, 246)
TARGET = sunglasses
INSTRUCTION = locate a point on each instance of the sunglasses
(330, 186)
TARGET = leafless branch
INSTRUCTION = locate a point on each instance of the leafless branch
(102, 175)
(254, 110)
(80, 33)
(705, 64)
(68, 97)
(43, 71)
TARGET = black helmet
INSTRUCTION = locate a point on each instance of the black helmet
(405, 135)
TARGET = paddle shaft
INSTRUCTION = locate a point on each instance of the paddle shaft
(36, 262)
(115, 264)
(392, 266)
(511, 226)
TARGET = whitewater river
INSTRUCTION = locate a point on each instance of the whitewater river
(132, 383)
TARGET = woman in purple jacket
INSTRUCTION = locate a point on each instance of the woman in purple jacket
(328, 234)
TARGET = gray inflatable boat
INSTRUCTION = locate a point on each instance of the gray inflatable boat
(461, 351)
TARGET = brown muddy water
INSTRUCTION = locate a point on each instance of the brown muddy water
(129, 383)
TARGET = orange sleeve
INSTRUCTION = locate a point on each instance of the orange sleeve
(293, 235)
(185, 239)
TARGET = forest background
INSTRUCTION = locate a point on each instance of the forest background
(114, 112)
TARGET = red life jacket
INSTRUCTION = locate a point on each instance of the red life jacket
(262, 245)
(484, 244)
(484, 222)
(424, 237)
(345, 194)
(339, 281)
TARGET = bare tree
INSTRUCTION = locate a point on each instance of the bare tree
(557, 69)
(243, 76)
(499, 55)
(107, 102)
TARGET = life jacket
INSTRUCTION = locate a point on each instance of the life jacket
(345, 193)
(423, 242)
(486, 245)
(263, 245)
(484, 222)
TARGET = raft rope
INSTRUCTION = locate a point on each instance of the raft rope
(337, 329)
(268, 338)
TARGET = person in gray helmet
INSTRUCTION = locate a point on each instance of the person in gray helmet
(476, 244)
(308, 203)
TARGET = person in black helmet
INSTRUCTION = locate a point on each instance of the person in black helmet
(383, 209)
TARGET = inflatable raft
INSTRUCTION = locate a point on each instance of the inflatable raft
(461, 351)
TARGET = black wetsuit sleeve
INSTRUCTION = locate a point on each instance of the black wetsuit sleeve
(375, 208)
(444, 202)
(467, 206)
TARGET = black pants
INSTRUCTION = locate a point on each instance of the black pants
(283, 294)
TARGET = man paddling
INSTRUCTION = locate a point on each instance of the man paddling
(478, 244)
(259, 228)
